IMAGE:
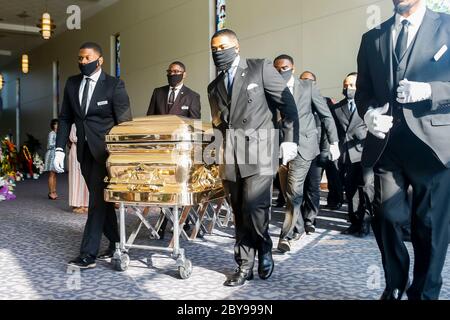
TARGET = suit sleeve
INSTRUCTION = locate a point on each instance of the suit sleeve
(365, 97)
(219, 117)
(152, 107)
(121, 104)
(277, 91)
(65, 120)
(195, 109)
(321, 108)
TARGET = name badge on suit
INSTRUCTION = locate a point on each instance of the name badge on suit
(102, 103)
(440, 53)
(185, 108)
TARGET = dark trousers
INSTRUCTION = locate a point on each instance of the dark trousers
(293, 219)
(102, 215)
(335, 190)
(406, 162)
(359, 191)
(311, 193)
(250, 199)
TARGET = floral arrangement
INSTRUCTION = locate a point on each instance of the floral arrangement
(38, 165)
(7, 185)
(9, 173)
(8, 158)
(28, 161)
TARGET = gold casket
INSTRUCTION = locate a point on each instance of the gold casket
(160, 160)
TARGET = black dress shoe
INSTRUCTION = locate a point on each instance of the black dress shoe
(353, 229)
(310, 229)
(108, 254)
(391, 295)
(265, 265)
(85, 261)
(364, 231)
(239, 278)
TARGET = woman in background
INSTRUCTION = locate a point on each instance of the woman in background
(78, 191)
(49, 157)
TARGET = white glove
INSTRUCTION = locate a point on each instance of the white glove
(334, 151)
(411, 92)
(377, 123)
(288, 152)
(58, 163)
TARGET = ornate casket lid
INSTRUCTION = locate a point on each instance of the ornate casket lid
(161, 129)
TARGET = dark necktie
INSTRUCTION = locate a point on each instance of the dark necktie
(351, 106)
(402, 41)
(84, 100)
(230, 81)
(171, 98)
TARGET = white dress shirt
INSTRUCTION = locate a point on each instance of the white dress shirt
(415, 21)
(177, 91)
(233, 70)
(290, 84)
(94, 79)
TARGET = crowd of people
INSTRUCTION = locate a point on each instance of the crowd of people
(383, 145)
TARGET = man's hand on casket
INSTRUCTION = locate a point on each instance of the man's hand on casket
(58, 163)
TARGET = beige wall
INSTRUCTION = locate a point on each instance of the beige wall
(322, 35)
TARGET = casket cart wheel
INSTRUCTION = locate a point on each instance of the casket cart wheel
(122, 263)
(185, 270)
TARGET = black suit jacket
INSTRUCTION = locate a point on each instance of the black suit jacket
(352, 132)
(309, 101)
(108, 107)
(428, 120)
(247, 120)
(187, 103)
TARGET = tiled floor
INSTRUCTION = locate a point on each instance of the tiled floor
(38, 237)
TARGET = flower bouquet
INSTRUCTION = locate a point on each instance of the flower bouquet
(6, 189)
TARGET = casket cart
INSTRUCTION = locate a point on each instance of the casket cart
(164, 162)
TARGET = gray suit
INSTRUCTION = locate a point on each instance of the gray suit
(309, 101)
(416, 152)
(247, 118)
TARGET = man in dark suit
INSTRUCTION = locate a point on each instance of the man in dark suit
(244, 99)
(358, 182)
(175, 98)
(95, 102)
(308, 100)
(404, 97)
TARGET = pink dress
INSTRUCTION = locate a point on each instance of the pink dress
(78, 191)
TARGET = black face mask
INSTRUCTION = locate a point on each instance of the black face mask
(89, 68)
(174, 79)
(225, 58)
(349, 93)
(287, 75)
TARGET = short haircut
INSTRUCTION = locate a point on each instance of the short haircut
(352, 74)
(180, 64)
(284, 57)
(226, 32)
(53, 123)
(312, 74)
(94, 46)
